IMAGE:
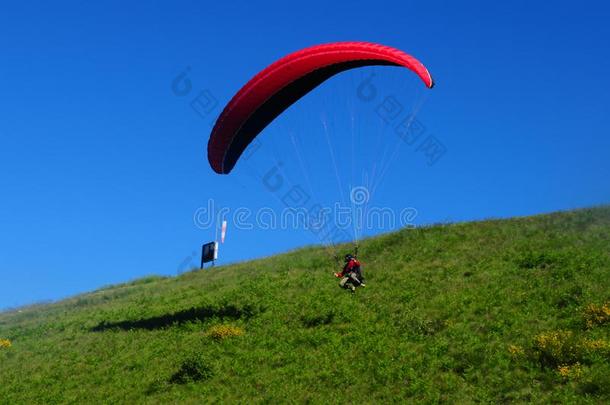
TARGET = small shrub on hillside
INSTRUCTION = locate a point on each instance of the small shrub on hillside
(596, 314)
(5, 343)
(146, 280)
(311, 320)
(537, 260)
(193, 369)
(595, 382)
(596, 346)
(553, 349)
(220, 332)
(424, 326)
(568, 297)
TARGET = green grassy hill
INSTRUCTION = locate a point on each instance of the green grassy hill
(493, 311)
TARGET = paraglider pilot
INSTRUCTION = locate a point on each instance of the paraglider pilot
(351, 275)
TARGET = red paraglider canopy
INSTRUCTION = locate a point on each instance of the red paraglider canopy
(281, 84)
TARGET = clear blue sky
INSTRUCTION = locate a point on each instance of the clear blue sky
(102, 166)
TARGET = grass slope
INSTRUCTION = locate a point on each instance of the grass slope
(492, 311)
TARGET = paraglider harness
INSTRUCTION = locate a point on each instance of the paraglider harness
(351, 274)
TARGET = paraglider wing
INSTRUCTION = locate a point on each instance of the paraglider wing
(281, 84)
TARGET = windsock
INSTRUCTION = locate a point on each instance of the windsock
(223, 231)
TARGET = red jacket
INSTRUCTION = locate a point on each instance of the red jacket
(350, 266)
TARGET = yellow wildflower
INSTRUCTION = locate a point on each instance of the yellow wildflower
(596, 345)
(224, 331)
(564, 371)
(5, 343)
(574, 371)
(552, 340)
(515, 350)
